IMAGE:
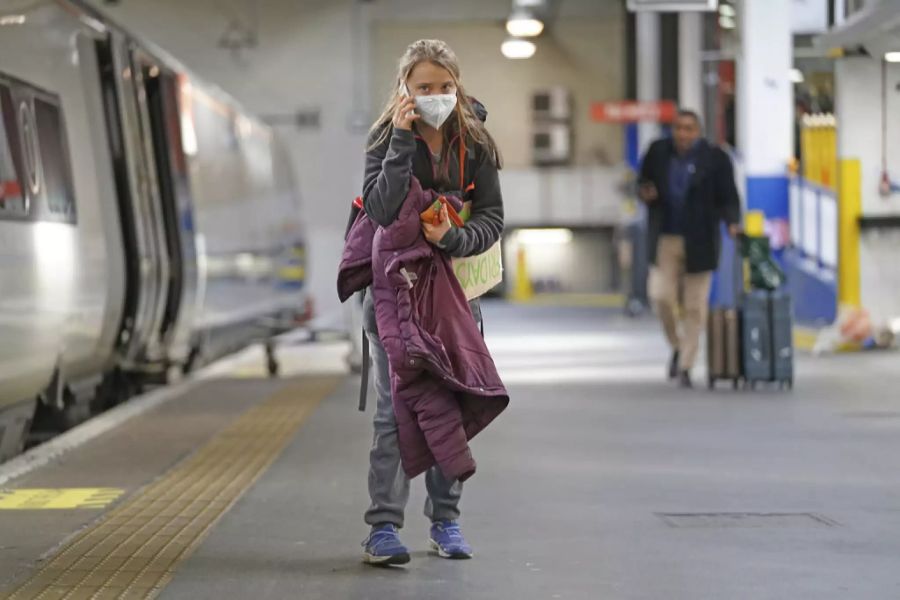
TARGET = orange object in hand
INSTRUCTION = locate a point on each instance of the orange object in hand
(432, 214)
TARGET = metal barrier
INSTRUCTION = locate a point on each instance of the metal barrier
(811, 260)
(814, 222)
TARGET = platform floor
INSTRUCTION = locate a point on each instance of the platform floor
(601, 481)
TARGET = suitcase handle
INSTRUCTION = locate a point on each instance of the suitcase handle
(738, 269)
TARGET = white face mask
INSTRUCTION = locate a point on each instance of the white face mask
(434, 109)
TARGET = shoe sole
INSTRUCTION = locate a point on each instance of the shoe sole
(444, 554)
(386, 561)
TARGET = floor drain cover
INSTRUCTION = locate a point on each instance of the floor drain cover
(744, 520)
(872, 414)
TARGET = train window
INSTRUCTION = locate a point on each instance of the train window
(55, 160)
(13, 203)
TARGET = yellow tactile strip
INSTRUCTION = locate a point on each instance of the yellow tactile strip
(133, 552)
(58, 499)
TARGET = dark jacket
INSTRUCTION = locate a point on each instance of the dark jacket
(710, 199)
(444, 386)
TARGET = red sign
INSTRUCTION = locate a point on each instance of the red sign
(630, 111)
(10, 189)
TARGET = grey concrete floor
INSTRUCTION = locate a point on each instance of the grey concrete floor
(127, 457)
(575, 480)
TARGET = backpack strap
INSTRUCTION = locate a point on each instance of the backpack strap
(463, 188)
(364, 373)
(462, 160)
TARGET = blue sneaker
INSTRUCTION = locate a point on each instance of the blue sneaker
(384, 548)
(448, 541)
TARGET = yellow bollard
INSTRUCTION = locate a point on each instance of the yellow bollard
(849, 210)
(523, 290)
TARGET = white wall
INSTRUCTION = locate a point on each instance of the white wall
(858, 104)
(880, 274)
(475, 10)
(584, 55)
(591, 252)
(567, 197)
(313, 54)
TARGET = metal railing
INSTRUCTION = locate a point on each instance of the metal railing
(814, 222)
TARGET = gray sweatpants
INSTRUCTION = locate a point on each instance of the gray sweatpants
(388, 484)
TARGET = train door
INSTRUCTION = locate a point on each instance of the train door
(148, 269)
(161, 88)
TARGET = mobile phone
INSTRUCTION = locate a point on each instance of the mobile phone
(404, 93)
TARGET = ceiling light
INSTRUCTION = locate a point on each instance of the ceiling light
(796, 76)
(726, 10)
(515, 48)
(529, 3)
(12, 20)
(892, 57)
(523, 24)
(726, 22)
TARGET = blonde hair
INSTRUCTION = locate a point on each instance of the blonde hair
(467, 121)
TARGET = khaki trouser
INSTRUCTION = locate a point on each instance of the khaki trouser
(666, 279)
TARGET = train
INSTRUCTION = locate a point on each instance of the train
(148, 222)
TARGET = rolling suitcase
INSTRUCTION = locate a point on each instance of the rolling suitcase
(753, 341)
(723, 346)
(782, 338)
(756, 337)
(637, 301)
(723, 335)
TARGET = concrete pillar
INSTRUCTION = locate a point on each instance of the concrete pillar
(690, 68)
(647, 52)
(765, 105)
(840, 10)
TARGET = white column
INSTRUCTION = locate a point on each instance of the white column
(765, 92)
(840, 7)
(765, 103)
(690, 68)
(647, 52)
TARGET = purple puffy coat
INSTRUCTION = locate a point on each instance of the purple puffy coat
(444, 385)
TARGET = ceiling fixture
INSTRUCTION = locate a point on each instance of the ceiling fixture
(892, 57)
(529, 3)
(727, 22)
(796, 76)
(12, 20)
(524, 24)
(516, 49)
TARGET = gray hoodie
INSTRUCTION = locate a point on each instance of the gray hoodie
(386, 184)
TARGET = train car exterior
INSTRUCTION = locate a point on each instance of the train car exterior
(147, 221)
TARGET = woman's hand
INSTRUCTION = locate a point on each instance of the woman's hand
(435, 233)
(405, 115)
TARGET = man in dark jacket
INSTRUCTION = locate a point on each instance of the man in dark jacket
(688, 186)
